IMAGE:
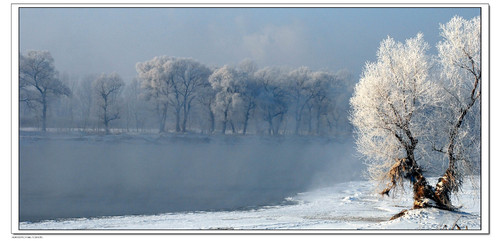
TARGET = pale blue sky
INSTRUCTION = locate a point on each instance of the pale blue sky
(96, 40)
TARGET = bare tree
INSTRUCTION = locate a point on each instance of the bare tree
(38, 81)
(107, 89)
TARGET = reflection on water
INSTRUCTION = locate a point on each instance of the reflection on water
(87, 177)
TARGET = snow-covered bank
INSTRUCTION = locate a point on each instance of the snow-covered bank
(345, 206)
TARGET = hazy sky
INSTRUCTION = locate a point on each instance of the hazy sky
(96, 40)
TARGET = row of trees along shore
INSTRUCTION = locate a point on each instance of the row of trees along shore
(174, 94)
(410, 108)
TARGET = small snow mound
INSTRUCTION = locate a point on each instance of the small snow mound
(349, 199)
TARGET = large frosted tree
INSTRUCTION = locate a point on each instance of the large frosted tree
(38, 82)
(402, 118)
(458, 120)
(388, 107)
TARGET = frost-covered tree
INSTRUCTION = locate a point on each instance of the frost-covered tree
(225, 83)
(299, 89)
(236, 92)
(401, 118)
(272, 101)
(176, 82)
(388, 106)
(457, 120)
(156, 80)
(107, 89)
(248, 92)
(188, 78)
(38, 82)
(322, 89)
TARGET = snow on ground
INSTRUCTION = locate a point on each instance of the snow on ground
(345, 206)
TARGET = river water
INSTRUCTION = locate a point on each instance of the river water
(90, 176)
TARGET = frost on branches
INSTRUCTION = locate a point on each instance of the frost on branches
(405, 113)
(460, 59)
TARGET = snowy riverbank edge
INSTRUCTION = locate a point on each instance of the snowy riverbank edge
(346, 206)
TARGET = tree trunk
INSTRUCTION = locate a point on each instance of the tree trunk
(106, 126)
(224, 122)
(318, 121)
(278, 124)
(212, 121)
(450, 182)
(298, 119)
(161, 127)
(423, 193)
(232, 127)
(310, 121)
(185, 117)
(270, 121)
(162, 116)
(44, 113)
(245, 122)
(106, 122)
(177, 119)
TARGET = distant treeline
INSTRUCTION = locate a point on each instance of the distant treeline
(173, 94)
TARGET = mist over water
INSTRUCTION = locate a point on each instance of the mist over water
(87, 176)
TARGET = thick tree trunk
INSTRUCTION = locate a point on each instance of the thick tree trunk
(450, 182)
(424, 195)
(444, 187)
